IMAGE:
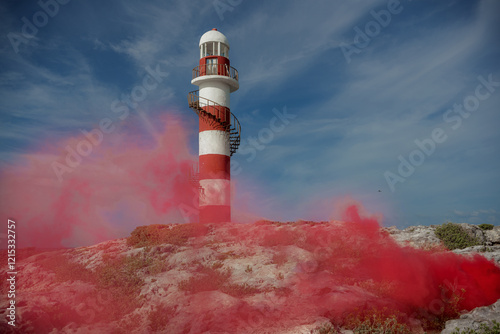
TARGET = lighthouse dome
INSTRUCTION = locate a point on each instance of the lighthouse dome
(214, 36)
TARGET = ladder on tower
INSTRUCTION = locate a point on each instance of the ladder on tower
(218, 114)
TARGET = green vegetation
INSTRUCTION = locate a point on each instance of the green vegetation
(376, 321)
(486, 227)
(327, 329)
(127, 324)
(455, 237)
(217, 265)
(450, 308)
(159, 318)
(178, 235)
(64, 269)
(209, 279)
(280, 237)
(222, 256)
(122, 273)
(117, 280)
(494, 328)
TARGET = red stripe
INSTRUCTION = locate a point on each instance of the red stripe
(209, 123)
(215, 214)
(215, 166)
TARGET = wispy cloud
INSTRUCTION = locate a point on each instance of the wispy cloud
(353, 119)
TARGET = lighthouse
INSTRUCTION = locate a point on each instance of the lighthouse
(219, 129)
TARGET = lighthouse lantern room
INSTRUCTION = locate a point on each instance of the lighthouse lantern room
(219, 129)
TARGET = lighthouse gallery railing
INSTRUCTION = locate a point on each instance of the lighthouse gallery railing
(215, 69)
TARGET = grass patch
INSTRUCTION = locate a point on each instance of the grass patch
(451, 308)
(209, 279)
(116, 282)
(327, 329)
(160, 317)
(157, 234)
(281, 237)
(494, 328)
(376, 321)
(239, 290)
(455, 237)
(205, 279)
(229, 255)
(122, 272)
(65, 269)
(486, 227)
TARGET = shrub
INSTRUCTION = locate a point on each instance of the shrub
(209, 279)
(451, 308)
(494, 328)
(127, 324)
(206, 279)
(377, 321)
(217, 265)
(65, 269)
(327, 329)
(455, 237)
(486, 227)
(157, 266)
(239, 290)
(116, 280)
(159, 318)
(156, 234)
(122, 273)
(281, 237)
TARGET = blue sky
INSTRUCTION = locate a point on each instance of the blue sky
(358, 101)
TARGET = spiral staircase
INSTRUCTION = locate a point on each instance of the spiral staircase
(217, 113)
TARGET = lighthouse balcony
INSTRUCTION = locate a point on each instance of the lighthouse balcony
(222, 72)
(215, 69)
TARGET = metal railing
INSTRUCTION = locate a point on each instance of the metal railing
(198, 103)
(220, 113)
(215, 69)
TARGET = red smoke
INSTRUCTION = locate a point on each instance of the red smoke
(350, 266)
(119, 185)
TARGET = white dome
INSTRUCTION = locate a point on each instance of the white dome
(214, 36)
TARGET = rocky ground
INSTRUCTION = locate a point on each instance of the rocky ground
(424, 236)
(266, 277)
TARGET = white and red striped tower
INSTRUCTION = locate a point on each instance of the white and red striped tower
(220, 130)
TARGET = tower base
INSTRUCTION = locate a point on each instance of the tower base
(215, 214)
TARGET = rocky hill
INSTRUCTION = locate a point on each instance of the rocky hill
(266, 277)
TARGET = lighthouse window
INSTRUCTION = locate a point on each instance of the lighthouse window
(214, 49)
(209, 48)
(224, 50)
(211, 66)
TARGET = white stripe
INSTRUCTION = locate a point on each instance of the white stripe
(215, 192)
(215, 91)
(214, 142)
